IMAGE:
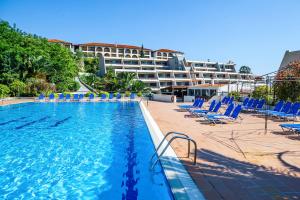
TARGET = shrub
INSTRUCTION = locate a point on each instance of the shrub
(17, 88)
(139, 94)
(287, 85)
(260, 92)
(67, 85)
(4, 91)
(38, 86)
(127, 94)
(235, 94)
(104, 92)
(115, 94)
(88, 94)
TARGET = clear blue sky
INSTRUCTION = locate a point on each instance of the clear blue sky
(249, 32)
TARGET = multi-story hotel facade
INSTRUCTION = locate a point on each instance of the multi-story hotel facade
(162, 70)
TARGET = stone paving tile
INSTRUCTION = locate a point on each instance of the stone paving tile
(239, 160)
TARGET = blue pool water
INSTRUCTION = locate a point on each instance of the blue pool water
(77, 151)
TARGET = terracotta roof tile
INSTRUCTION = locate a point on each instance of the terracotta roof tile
(58, 41)
(168, 50)
(112, 45)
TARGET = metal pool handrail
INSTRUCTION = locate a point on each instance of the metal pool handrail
(179, 136)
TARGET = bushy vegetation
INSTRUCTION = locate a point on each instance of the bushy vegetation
(235, 94)
(30, 65)
(121, 83)
(287, 83)
(263, 92)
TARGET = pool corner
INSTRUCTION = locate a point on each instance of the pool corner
(181, 183)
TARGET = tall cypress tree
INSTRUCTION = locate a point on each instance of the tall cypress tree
(142, 51)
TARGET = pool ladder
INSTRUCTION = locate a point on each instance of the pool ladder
(176, 135)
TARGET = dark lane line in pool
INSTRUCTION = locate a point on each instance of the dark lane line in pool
(11, 121)
(32, 122)
(60, 122)
(131, 192)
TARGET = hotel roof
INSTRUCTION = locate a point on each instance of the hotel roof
(112, 45)
(58, 41)
(168, 51)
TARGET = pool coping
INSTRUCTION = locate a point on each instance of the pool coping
(181, 183)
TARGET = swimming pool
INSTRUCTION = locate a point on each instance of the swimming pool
(77, 150)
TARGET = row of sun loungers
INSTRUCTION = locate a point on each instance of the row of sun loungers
(211, 114)
(80, 97)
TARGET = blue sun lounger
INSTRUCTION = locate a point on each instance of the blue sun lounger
(198, 106)
(103, 97)
(210, 109)
(75, 97)
(226, 113)
(51, 97)
(230, 101)
(91, 97)
(132, 96)
(291, 114)
(245, 101)
(214, 110)
(248, 104)
(285, 109)
(186, 106)
(252, 106)
(225, 99)
(61, 97)
(111, 96)
(81, 97)
(224, 118)
(260, 105)
(119, 96)
(278, 106)
(41, 97)
(68, 97)
(291, 127)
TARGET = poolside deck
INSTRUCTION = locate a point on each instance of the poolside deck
(236, 161)
(9, 101)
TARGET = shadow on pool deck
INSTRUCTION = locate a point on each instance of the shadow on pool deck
(221, 177)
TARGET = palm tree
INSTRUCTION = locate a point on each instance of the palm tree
(126, 80)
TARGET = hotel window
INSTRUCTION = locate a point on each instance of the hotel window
(106, 49)
(91, 48)
(146, 52)
(158, 54)
(121, 50)
(170, 55)
(127, 51)
(165, 55)
(99, 54)
(134, 56)
(127, 56)
(134, 51)
(113, 50)
(99, 49)
(83, 48)
(107, 55)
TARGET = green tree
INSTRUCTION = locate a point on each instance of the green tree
(287, 82)
(25, 57)
(17, 88)
(4, 91)
(91, 65)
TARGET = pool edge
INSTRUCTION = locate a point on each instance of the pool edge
(180, 181)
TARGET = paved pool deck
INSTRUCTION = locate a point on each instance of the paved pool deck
(238, 160)
(4, 102)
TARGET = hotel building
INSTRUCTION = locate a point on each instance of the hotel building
(162, 70)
